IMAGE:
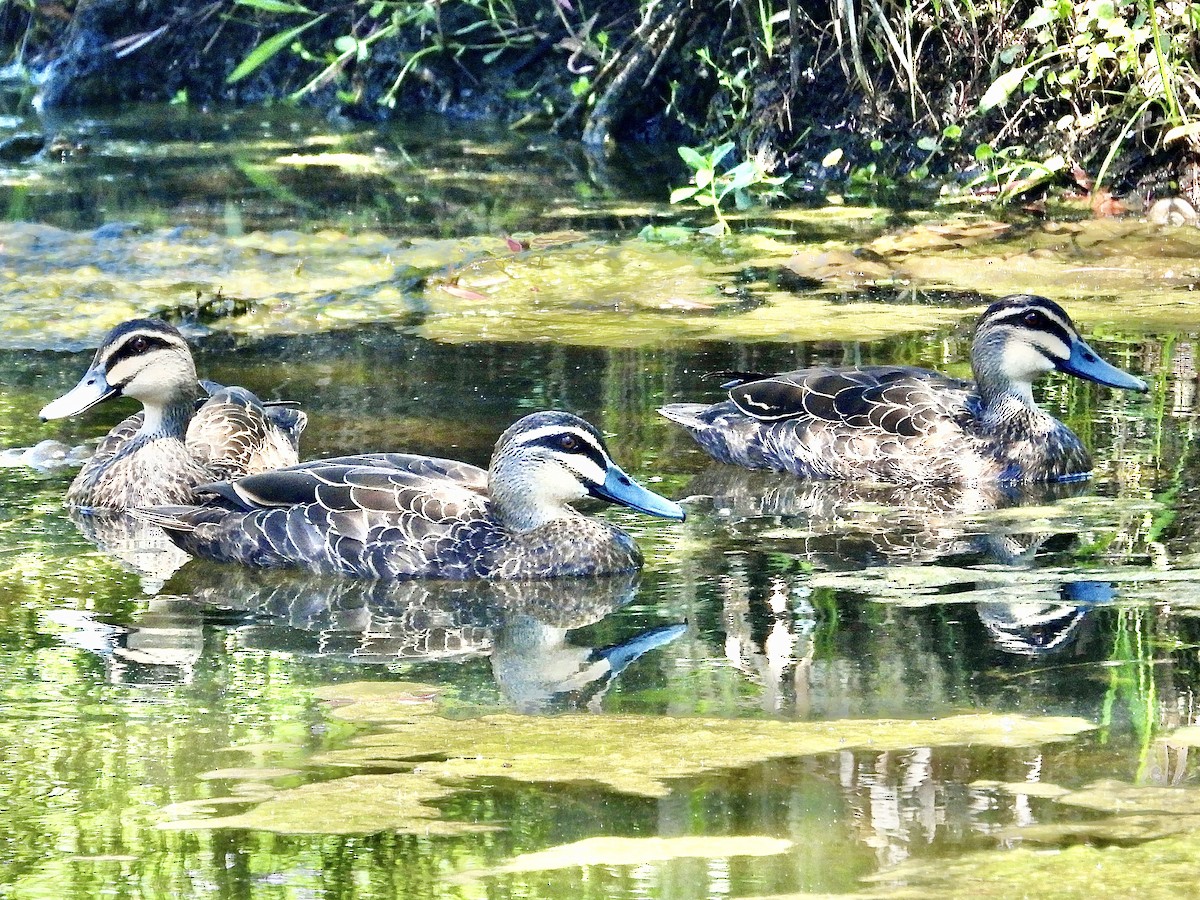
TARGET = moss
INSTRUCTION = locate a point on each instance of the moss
(637, 755)
(627, 851)
(1159, 869)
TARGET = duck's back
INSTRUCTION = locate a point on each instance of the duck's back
(389, 516)
(232, 434)
(889, 423)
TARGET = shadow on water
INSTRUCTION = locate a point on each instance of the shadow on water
(235, 170)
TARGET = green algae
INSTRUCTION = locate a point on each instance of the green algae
(1112, 796)
(64, 289)
(1165, 869)
(628, 851)
(906, 585)
(1188, 736)
(437, 757)
(369, 702)
(1133, 813)
(1086, 264)
(356, 804)
(1024, 788)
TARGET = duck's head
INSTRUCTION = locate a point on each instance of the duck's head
(547, 459)
(1022, 337)
(146, 359)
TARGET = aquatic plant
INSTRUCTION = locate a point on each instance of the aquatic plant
(747, 182)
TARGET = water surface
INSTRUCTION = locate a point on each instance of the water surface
(875, 690)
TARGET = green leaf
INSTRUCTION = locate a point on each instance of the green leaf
(716, 229)
(952, 132)
(832, 158)
(984, 152)
(720, 153)
(740, 176)
(876, 145)
(742, 200)
(1002, 88)
(346, 44)
(692, 158)
(1042, 16)
(269, 48)
(705, 200)
(680, 194)
(929, 144)
(275, 6)
(704, 177)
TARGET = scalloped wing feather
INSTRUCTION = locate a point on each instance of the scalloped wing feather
(897, 400)
(235, 434)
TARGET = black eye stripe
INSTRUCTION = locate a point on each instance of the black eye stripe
(127, 351)
(1016, 318)
(583, 447)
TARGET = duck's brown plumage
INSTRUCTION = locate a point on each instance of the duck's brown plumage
(159, 456)
(903, 424)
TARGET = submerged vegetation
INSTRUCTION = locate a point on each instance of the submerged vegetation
(874, 98)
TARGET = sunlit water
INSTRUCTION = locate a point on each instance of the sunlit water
(132, 691)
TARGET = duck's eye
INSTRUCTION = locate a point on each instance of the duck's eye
(139, 344)
(1033, 318)
(568, 442)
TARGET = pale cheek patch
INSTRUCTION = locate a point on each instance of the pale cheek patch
(556, 481)
(1024, 362)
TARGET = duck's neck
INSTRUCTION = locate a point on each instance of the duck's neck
(519, 501)
(1001, 397)
(167, 419)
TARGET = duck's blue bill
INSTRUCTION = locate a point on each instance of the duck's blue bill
(1085, 362)
(619, 656)
(92, 389)
(620, 488)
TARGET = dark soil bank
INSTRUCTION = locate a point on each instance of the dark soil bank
(881, 96)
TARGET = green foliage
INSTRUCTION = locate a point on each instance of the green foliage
(485, 27)
(1105, 72)
(747, 183)
(1010, 171)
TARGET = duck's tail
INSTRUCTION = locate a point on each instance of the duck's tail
(183, 519)
(685, 414)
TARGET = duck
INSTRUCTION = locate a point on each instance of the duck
(396, 515)
(908, 425)
(161, 454)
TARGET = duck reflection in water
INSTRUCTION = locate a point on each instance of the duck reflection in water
(138, 546)
(1038, 628)
(852, 524)
(903, 546)
(522, 626)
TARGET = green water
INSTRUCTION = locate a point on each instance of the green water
(879, 691)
